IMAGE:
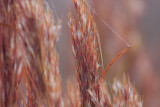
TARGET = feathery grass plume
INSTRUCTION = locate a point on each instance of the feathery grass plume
(125, 95)
(84, 46)
(29, 73)
(104, 99)
(27, 37)
(39, 34)
(84, 39)
(10, 54)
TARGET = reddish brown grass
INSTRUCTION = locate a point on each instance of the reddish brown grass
(29, 63)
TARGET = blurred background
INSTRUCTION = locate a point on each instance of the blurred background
(138, 22)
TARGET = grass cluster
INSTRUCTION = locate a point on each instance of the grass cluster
(29, 70)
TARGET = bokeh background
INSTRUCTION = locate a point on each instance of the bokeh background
(138, 22)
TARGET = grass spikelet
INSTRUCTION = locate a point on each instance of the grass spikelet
(84, 46)
(125, 95)
(10, 54)
(103, 99)
(39, 36)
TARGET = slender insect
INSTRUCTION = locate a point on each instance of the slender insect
(104, 72)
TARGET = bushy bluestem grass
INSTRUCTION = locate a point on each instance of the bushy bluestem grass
(29, 65)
